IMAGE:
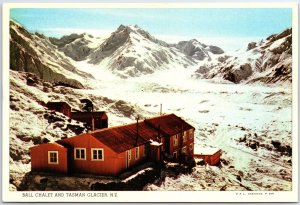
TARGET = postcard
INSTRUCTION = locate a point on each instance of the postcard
(150, 102)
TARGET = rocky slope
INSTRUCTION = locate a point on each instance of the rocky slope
(267, 61)
(36, 54)
(197, 50)
(76, 46)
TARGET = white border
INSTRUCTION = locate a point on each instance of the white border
(166, 196)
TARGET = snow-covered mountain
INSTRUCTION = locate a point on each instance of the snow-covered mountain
(77, 46)
(130, 51)
(267, 61)
(36, 54)
(197, 50)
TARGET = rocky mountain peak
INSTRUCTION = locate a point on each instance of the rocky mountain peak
(198, 50)
(128, 28)
(74, 45)
(66, 39)
(283, 34)
(136, 30)
(34, 53)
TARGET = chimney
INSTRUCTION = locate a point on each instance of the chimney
(93, 120)
(160, 113)
(137, 129)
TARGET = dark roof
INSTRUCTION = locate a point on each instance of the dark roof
(100, 114)
(56, 105)
(169, 124)
(86, 101)
(124, 137)
(56, 143)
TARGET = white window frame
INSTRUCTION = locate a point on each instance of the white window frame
(183, 150)
(129, 154)
(52, 152)
(175, 142)
(79, 148)
(137, 153)
(92, 154)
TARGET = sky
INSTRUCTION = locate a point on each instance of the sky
(228, 28)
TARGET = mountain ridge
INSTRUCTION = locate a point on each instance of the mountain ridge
(131, 51)
(36, 54)
(267, 61)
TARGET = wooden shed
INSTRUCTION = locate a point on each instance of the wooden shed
(61, 107)
(96, 120)
(210, 155)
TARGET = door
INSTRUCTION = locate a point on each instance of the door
(70, 159)
(175, 155)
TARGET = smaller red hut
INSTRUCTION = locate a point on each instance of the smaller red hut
(210, 155)
(61, 107)
(97, 120)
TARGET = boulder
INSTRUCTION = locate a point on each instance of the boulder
(251, 46)
(215, 50)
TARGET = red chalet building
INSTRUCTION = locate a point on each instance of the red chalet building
(112, 150)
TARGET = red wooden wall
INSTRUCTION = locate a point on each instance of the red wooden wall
(181, 144)
(113, 163)
(39, 158)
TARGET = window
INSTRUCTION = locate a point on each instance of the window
(97, 154)
(183, 150)
(52, 157)
(137, 152)
(129, 154)
(191, 147)
(175, 142)
(79, 153)
(191, 133)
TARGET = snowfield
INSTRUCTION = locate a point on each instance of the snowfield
(223, 114)
(228, 116)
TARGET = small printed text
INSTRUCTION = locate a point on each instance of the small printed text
(70, 194)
